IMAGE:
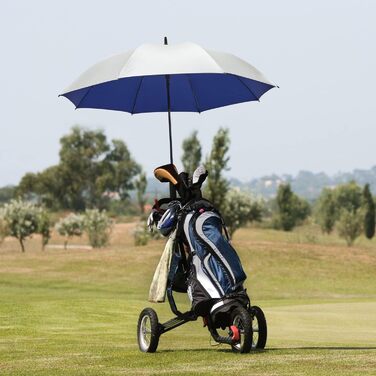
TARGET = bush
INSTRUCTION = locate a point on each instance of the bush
(239, 209)
(141, 235)
(21, 219)
(344, 206)
(71, 225)
(350, 225)
(98, 227)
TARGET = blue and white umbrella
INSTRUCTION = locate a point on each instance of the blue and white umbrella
(168, 78)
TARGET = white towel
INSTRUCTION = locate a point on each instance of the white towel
(157, 292)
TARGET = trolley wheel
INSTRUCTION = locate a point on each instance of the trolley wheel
(242, 320)
(259, 328)
(148, 330)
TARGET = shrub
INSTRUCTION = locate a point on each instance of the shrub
(98, 227)
(141, 235)
(350, 225)
(71, 225)
(345, 204)
(21, 219)
(239, 209)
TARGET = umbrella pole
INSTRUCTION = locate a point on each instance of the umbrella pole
(172, 188)
(169, 117)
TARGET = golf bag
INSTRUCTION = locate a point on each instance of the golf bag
(216, 272)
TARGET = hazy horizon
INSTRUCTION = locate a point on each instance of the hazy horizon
(320, 54)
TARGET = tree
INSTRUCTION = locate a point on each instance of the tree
(239, 209)
(7, 193)
(21, 219)
(3, 227)
(291, 209)
(71, 225)
(44, 224)
(348, 196)
(350, 225)
(216, 163)
(80, 156)
(118, 170)
(47, 187)
(191, 153)
(369, 208)
(88, 170)
(326, 210)
(98, 227)
(141, 184)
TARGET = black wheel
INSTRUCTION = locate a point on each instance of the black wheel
(148, 330)
(259, 328)
(242, 320)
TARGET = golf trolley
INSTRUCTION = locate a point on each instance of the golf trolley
(201, 262)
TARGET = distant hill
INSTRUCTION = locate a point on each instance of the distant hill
(306, 184)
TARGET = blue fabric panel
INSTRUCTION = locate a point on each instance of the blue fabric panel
(182, 96)
(112, 95)
(214, 90)
(188, 93)
(212, 229)
(221, 275)
(76, 96)
(198, 246)
(152, 95)
(257, 88)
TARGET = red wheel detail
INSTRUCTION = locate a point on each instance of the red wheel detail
(235, 333)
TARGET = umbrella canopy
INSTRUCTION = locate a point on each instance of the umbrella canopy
(199, 80)
(166, 78)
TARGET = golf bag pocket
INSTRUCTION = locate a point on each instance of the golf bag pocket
(216, 268)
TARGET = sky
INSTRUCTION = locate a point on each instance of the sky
(321, 53)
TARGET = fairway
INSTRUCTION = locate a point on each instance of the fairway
(75, 312)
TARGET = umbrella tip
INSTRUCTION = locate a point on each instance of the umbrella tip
(165, 41)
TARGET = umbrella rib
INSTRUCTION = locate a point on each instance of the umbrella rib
(85, 95)
(246, 87)
(135, 99)
(193, 93)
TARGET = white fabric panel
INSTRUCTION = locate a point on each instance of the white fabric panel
(232, 64)
(104, 71)
(204, 279)
(154, 59)
(158, 59)
(216, 305)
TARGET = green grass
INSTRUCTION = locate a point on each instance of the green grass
(75, 312)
